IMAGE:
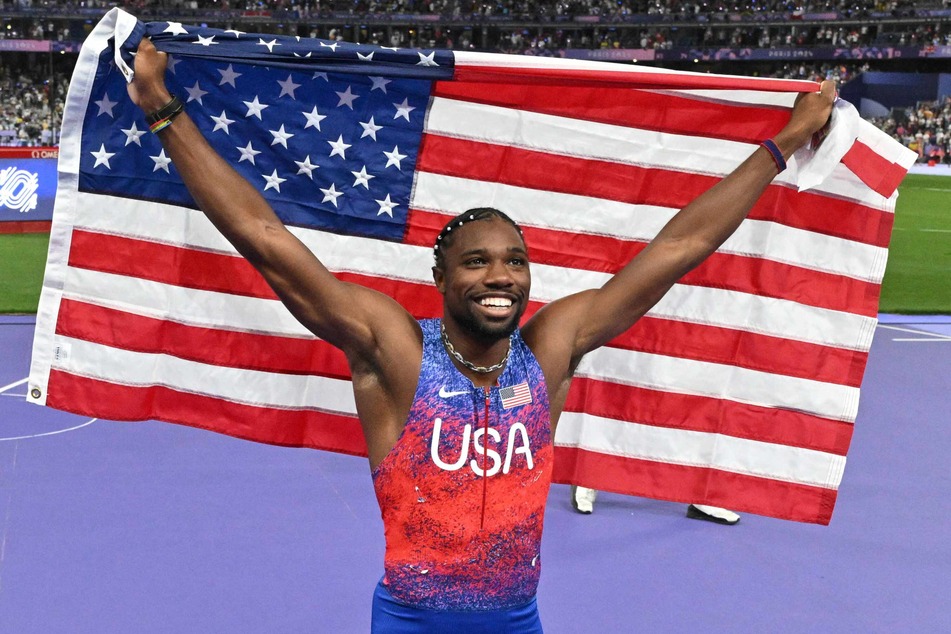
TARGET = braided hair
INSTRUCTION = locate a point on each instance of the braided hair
(448, 233)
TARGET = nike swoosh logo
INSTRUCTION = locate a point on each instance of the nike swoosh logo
(444, 394)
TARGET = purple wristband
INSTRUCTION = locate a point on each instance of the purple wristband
(773, 150)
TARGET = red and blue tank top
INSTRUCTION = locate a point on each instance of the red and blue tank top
(463, 491)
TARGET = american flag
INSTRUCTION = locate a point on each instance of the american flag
(739, 389)
(515, 395)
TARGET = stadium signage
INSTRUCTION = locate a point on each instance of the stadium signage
(27, 184)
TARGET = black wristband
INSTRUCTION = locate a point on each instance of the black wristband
(168, 111)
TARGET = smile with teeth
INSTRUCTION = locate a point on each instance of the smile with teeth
(495, 302)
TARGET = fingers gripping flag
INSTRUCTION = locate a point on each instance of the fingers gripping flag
(739, 389)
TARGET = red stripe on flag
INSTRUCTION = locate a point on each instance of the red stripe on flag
(125, 256)
(630, 108)
(219, 272)
(214, 346)
(706, 414)
(745, 349)
(285, 427)
(632, 476)
(632, 184)
(166, 263)
(874, 170)
(745, 274)
(559, 77)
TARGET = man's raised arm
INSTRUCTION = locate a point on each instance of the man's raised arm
(348, 316)
(592, 318)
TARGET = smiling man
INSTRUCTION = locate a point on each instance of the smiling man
(459, 413)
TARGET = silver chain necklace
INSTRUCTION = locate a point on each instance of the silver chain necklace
(475, 368)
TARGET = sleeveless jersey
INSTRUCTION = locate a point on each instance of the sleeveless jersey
(463, 507)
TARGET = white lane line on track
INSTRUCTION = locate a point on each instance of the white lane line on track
(52, 433)
(935, 340)
(923, 335)
(13, 385)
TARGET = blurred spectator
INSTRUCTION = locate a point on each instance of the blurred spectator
(30, 113)
(925, 129)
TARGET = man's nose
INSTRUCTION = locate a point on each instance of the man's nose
(498, 274)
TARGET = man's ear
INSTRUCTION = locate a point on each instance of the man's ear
(439, 278)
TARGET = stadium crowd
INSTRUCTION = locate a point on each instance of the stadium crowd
(925, 128)
(31, 102)
(520, 25)
(31, 106)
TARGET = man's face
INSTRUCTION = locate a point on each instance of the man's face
(485, 281)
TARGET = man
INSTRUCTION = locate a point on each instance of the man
(458, 413)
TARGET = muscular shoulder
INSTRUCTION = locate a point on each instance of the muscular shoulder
(553, 333)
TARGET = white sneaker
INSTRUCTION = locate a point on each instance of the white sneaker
(583, 499)
(712, 514)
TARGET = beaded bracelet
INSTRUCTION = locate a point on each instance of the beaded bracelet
(162, 118)
(774, 151)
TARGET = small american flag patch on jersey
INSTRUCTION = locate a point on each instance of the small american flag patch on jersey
(515, 395)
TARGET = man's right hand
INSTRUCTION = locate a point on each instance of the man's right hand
(147, 89)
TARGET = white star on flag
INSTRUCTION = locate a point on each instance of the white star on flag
(379, 83)
(236, 33)
(247, 153)
(365, 58)
(370, 128)
(273, 181)
(427, 60)
(347, 98)
(195, 93)
(306, 167)
(394, 158)
(222, 122)
(332, 47)
(228, 76)
(206, 41)
(280, 136)
(362, 178)
(386, 206)
(133, 134)
(270, 45)
(102, 157)
(175, 28)
(403, 109)
(339, 147)
(296, 54)
(331, 194)
(288, 87)
(255, 108)
(320, 75)
(172, 63)
(313, 118)
(161, 162)
(106, 106)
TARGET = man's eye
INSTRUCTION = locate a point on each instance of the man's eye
(517, 262)
(475, 262)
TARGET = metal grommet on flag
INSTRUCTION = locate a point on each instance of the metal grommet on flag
(36, 393)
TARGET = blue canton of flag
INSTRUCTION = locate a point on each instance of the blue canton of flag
(515, 395)
(331, 144)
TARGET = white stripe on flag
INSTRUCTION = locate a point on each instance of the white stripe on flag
(694, 304)
(549, 210)
(621, 144)
(265, 389)
(693, 448)
(702, 378)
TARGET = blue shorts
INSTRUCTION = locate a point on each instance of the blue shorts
(392, 617)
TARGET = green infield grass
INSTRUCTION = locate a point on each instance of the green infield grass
(22, 257)
(918, 275)
(917, 279)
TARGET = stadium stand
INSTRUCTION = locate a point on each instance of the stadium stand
(810, 40)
